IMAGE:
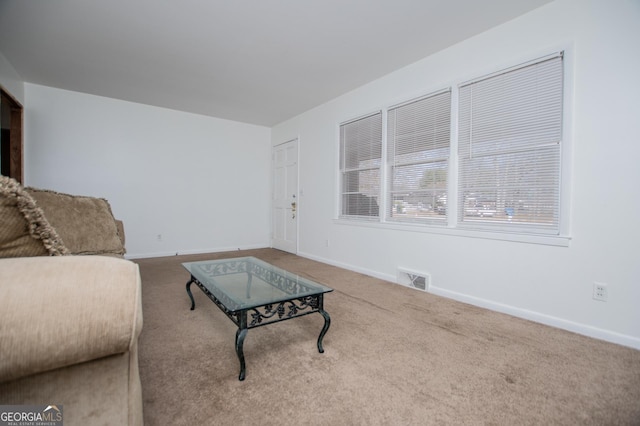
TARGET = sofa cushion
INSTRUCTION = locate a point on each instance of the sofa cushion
(64, 310)
(86, 224)
(24, 230)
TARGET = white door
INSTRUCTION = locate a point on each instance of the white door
(285, 196)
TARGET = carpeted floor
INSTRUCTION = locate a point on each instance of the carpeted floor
(393, 356)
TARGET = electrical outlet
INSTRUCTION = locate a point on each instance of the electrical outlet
(600, 292)
(159, 237)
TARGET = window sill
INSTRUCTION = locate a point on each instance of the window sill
(550, 240)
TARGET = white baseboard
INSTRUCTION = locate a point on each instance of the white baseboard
(586, 330)
(196, 251)
(583, 329)
(368, 272)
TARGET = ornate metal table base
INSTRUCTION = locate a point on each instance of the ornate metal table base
(265, 314)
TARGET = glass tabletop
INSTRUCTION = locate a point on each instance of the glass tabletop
(248, 282)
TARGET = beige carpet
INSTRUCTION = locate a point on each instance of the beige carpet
(393, 356)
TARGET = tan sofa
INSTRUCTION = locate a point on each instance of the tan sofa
(69, 323)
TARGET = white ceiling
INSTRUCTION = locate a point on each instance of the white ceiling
(254, 61)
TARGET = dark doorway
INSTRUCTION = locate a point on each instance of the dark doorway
(10, 137)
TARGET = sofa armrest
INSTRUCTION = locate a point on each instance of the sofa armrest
(64, 310)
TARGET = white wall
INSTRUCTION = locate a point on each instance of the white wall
(201, 183)
(549, 284)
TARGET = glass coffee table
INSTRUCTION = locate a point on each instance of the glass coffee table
(253, 293)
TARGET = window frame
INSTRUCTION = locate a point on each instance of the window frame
(504, 150)
(562, 238)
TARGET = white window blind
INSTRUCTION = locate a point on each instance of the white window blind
(510, 131)
(360, 162)
(418, 144)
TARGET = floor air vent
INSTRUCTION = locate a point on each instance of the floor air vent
(413, 279)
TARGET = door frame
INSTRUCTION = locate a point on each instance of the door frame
(295, 140)
(16, 143)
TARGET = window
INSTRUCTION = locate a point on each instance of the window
(360, 163)
(418, 144)
(498, 173)
(510, 130)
